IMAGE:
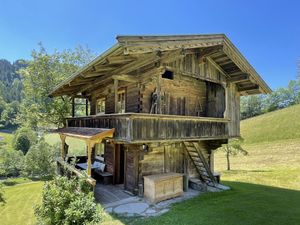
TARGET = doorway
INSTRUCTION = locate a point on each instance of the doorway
(119, 164)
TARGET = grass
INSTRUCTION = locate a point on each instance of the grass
(76, 146)
(20, 200)
(245, 204)
(278, 125)
(7, 139)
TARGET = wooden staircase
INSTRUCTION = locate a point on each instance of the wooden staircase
(198, 159)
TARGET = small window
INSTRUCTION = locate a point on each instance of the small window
(121, 101)
(168, 75)
(99, 147)
(100, 108)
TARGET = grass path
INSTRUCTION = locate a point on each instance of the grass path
(20, 200)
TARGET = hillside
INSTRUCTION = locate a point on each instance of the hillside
(274, 126)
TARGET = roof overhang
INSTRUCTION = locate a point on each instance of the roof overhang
(133, 52)
(86, 133)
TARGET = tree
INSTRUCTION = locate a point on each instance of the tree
(251, 106)
(11, 162)
(65, 202)
(233, 148)
(40, 160)
(41, 75)
(23, 139)
(9, 114)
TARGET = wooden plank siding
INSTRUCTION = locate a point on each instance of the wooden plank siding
(138, 127)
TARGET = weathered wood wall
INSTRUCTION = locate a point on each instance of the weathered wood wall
(131, 167)
(180, 96)
(195, 66)
(215, 97)
(109, 156)
(133, 98)
(233, 110)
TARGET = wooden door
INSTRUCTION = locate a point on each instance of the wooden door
(215, 95)
(119, 164)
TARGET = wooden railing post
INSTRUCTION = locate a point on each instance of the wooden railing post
(63, 141)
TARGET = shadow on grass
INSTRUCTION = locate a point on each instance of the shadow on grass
(247, 204)
(11, 181)
(246, 171)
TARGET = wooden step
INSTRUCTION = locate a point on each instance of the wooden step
(199, 164)
(194, 154)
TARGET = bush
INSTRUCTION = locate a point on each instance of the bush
(11, 162)
(63, 202)
(40, 160)
(23, 139)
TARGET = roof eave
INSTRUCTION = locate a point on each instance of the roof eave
(84, 68)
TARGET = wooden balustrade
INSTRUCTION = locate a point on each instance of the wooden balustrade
(140, 127)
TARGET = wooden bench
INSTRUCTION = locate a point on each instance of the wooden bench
(106, 176)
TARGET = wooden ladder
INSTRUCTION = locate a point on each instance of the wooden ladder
(194, 151)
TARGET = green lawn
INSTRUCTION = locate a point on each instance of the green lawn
(245, 204)
(76, 146)
(7, 139)
(278, 125)
(20, 200)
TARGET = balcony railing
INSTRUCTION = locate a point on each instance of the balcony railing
(140, 127)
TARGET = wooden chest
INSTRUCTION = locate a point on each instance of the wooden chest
(163, 186)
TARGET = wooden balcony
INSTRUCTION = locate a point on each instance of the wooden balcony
(140, 127)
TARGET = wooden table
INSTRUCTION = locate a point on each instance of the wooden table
(163, 186)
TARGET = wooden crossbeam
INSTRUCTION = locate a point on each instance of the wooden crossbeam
(142, 61)
(119, 59)
(217, 66)
(238, 78)
(128, 78)
(248, 88)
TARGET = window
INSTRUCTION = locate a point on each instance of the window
(100, 107)
(121, 101)
(99, 147)
(168, 75)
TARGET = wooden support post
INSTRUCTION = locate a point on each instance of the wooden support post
(89, 161)
(86, 107)
(211, 161)
(227, 99)
(158, 84)
(73, 107)
(116, 95)
(63, 141)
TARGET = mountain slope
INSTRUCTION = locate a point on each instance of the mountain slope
(274, 126)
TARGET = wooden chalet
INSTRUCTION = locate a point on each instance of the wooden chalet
(159, 105)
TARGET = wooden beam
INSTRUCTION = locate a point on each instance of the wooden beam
(128, 78)
(73, 107)
(217, 66)
(116, 95)
(119, 59)
(91, 85)
(248, 88)
(86, 107)
(239, 78)
(142, 61)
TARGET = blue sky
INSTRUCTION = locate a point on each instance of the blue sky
(266, 32)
